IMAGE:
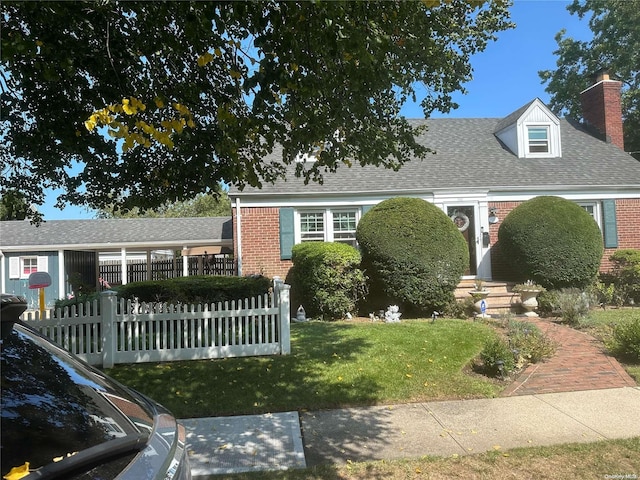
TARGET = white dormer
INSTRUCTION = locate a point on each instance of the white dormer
(532, 131)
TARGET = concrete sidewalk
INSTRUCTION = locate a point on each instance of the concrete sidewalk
(469, 426)
(461, 427)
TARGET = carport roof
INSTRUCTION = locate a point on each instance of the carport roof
(114, 234)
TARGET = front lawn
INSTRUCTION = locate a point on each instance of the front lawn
(332, 365)
(600, 323)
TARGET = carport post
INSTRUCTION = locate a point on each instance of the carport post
(108, 304)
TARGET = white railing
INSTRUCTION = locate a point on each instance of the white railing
(131, 332)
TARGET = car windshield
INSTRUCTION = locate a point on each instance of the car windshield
(54, 406)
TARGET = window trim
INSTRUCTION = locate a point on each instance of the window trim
(328, 217)
(537, 142)
(597, 211)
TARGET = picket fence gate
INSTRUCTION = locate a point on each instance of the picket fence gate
(130, 332)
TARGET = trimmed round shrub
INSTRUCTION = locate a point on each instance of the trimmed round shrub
(551, 241)
(413, 254)
(326, 279)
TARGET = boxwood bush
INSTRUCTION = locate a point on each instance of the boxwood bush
(625, 274)
(552, 241)
(196, 289)
(413, 254)
(326, 279)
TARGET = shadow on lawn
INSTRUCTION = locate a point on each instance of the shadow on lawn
(238, 386)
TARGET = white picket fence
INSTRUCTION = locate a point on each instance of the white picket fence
(131, 332)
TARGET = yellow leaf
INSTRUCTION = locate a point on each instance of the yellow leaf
(159, 103)
(217, 52)
(408, 375)
(497, 447)
(204, 59)
(18, 472)
(91, 123)
(235, 74)
(339, 379)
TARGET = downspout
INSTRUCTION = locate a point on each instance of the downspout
(238, 237)
(3, 266)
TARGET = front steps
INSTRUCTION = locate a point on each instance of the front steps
(501, 300)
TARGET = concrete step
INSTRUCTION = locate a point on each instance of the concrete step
(501, 299)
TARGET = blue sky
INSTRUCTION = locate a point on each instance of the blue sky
(505, 75)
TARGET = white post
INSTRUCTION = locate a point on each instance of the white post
(108, 307)
(62, 275)
(285, 321)
(185, 263)
(123, 266)
(277, 286)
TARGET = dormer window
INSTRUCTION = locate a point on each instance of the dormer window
(538, 139)
(532, 131)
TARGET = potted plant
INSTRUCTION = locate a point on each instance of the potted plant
(529, 292)
(479, 295)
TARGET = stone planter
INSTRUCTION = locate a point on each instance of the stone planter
(530, 301)
(479, 301)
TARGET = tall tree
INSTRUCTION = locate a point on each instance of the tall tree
(13, 206)
(615, 46)
(139, 103)
(203, 205)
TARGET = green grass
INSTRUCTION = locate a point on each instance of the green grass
(332, 364)
(598, 460)
(600, 323)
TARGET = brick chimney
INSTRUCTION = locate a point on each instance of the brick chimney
(602, 109)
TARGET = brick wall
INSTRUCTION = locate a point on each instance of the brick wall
(628, 225)
(260, 242)
(601, 107)
(628, 222)
(261, 238)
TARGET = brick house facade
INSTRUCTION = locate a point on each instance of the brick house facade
(482, 169)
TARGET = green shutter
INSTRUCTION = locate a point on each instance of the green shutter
(609, 223)
(287, 237)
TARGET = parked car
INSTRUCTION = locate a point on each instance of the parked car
(62, 418)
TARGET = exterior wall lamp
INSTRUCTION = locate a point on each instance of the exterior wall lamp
(493, 215)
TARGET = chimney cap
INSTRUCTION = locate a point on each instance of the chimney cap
(600, 75)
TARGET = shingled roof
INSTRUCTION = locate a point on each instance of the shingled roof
(104, 234)
(469, 155)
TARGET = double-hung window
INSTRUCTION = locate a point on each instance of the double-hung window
(344, 227)
(29, 266)
(592, 208)
(538, 137)
(312, 227)
(328, 226)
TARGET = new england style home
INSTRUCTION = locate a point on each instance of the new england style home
(482, 168)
